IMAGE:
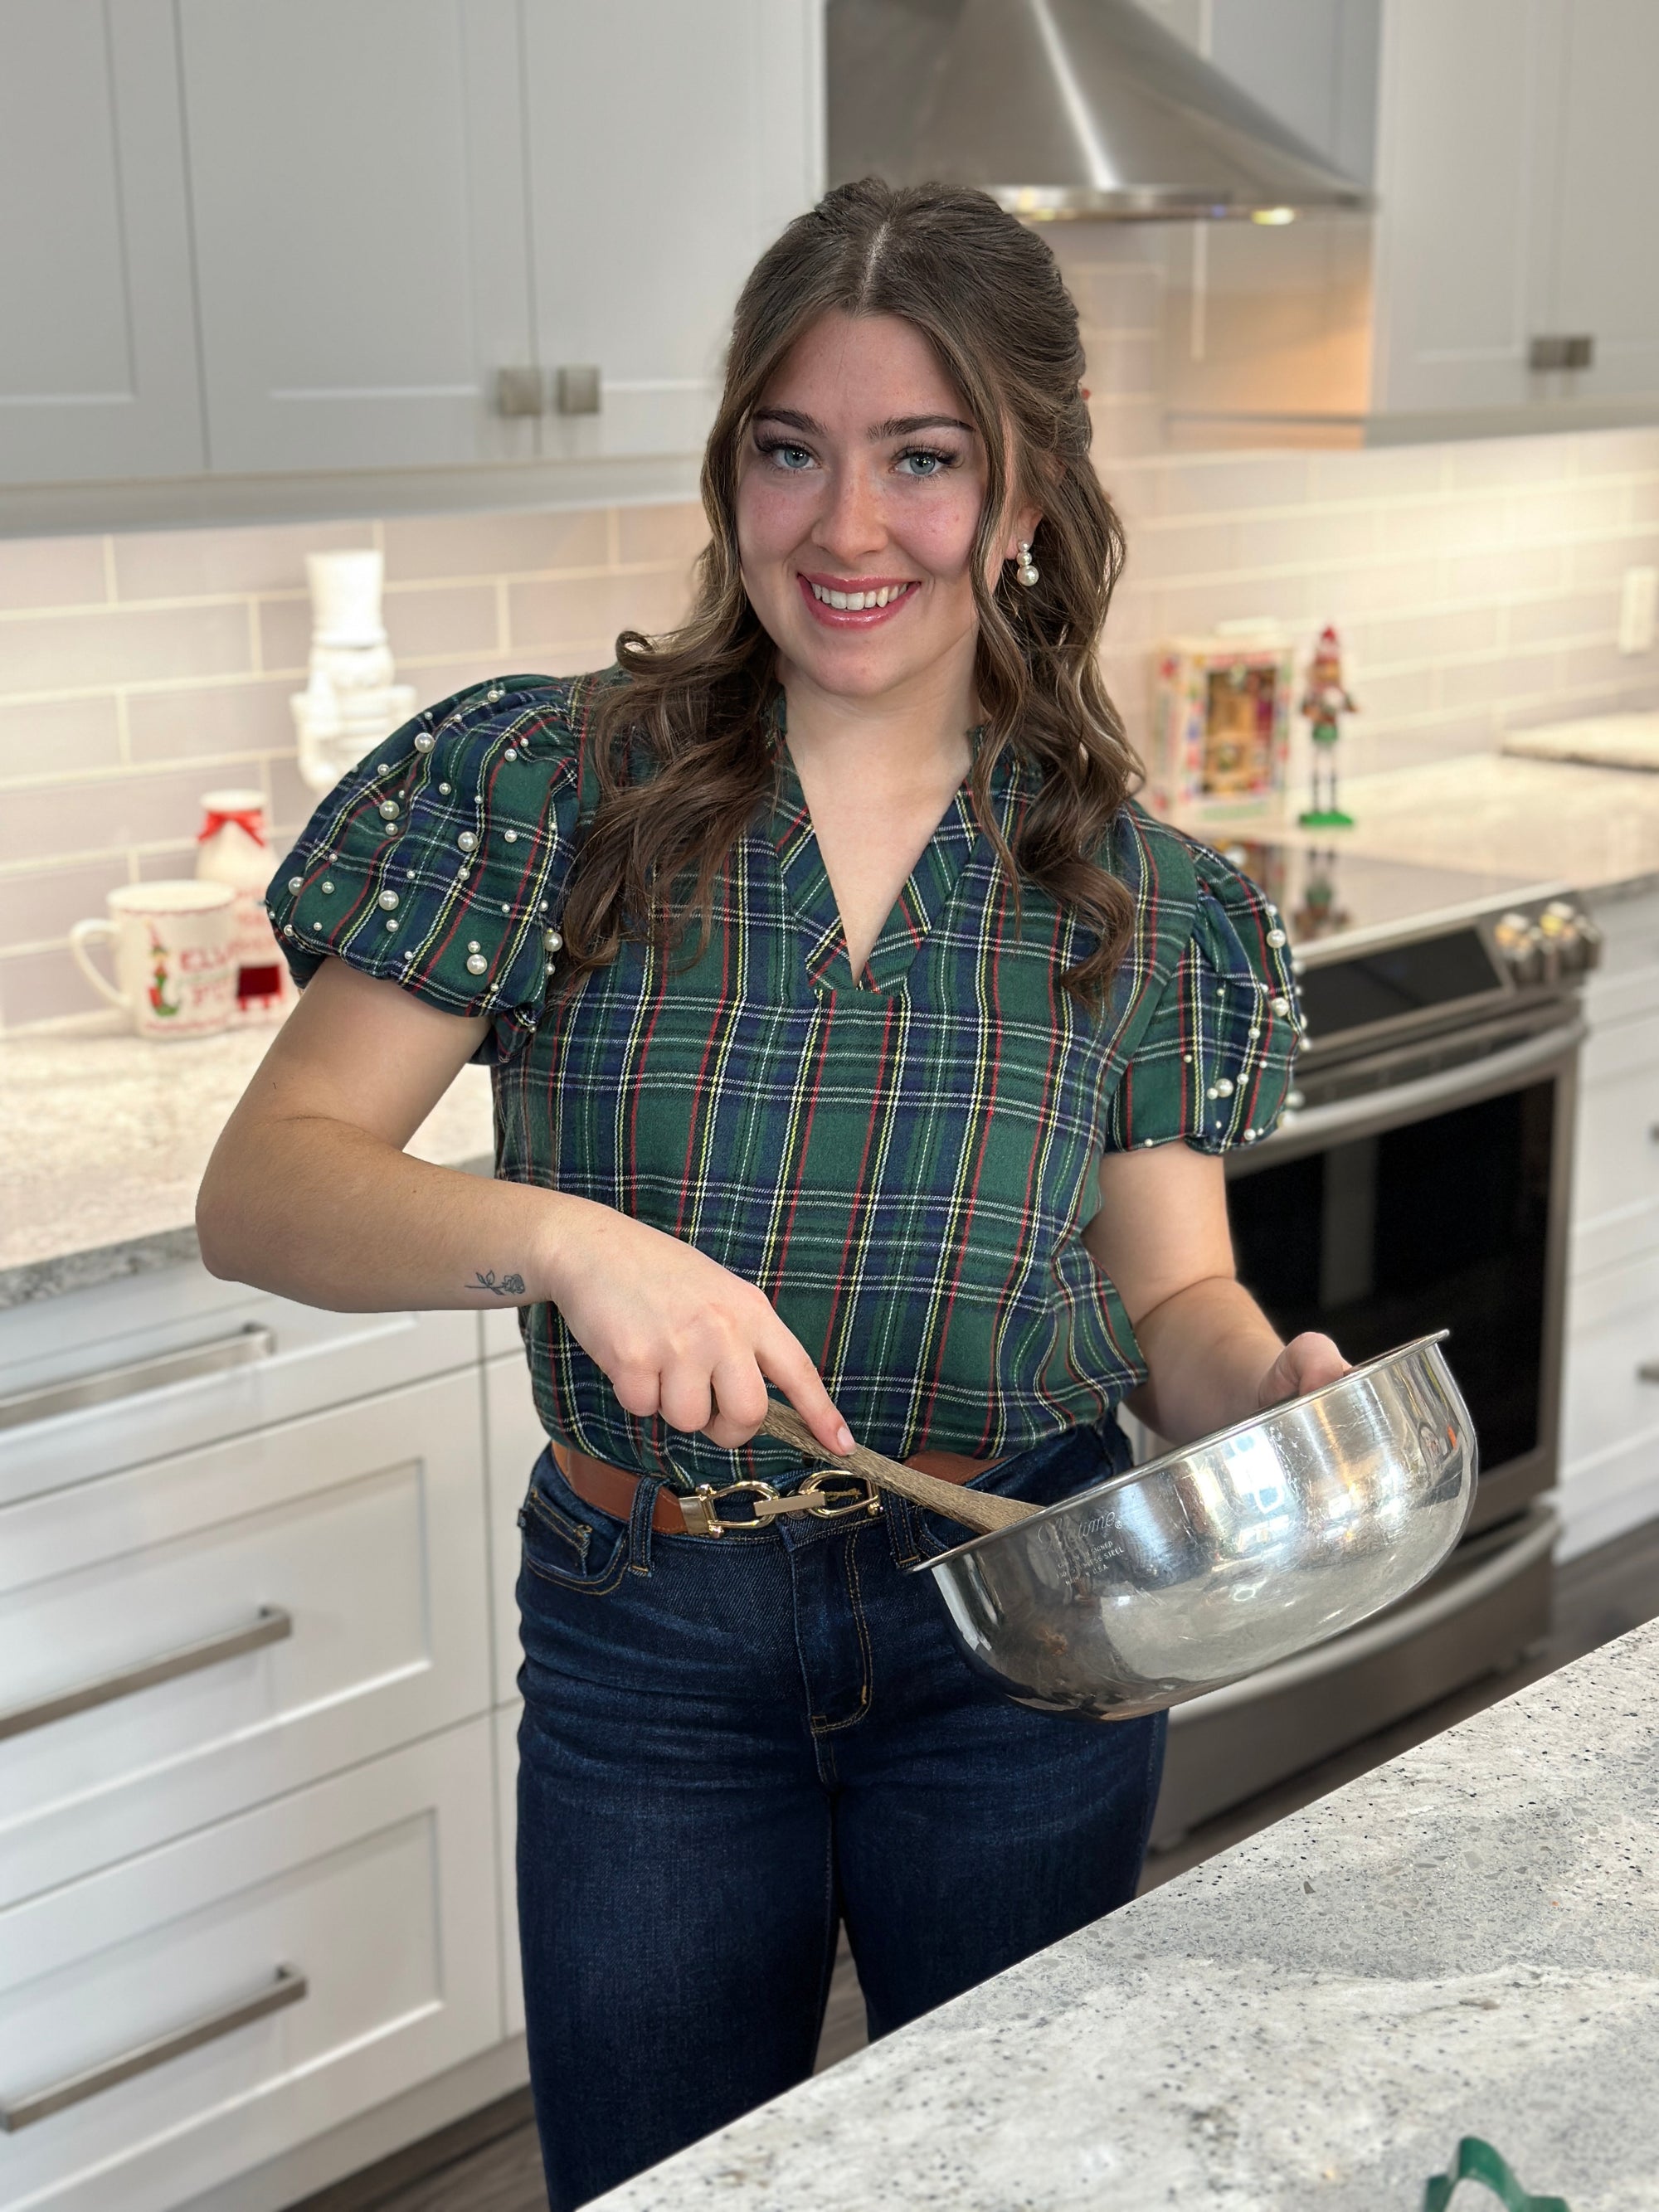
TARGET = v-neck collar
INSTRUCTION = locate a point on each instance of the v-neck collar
(921, 901)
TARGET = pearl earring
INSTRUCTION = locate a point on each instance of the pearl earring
(1028, 572)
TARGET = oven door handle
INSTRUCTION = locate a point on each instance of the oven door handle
(1410, 1101)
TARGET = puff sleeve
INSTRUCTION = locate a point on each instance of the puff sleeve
(1213, 1064)
(440, 862)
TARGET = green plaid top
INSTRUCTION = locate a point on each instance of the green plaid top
(903, 1160)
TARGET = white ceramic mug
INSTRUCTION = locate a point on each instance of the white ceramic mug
(175, 956)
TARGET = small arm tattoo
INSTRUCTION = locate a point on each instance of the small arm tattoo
(505, 1286)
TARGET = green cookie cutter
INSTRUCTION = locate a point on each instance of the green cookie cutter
(1478, 2161)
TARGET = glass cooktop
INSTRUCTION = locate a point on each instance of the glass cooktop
(1323, 891)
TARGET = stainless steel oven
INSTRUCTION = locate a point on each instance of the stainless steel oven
(1441, 1192)
(1421, 1180)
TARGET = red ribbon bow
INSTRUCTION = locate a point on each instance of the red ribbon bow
(247, 819)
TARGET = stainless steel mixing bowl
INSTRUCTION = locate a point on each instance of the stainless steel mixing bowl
(1221, 1557)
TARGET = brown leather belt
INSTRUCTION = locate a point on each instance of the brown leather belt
(828, 1494)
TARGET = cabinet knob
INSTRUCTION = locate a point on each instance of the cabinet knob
(520, 391)
(1561, 352)
(577, 389)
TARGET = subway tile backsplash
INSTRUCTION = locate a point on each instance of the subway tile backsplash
(1476, 587)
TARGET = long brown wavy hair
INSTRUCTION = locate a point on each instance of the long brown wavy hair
(684, 748)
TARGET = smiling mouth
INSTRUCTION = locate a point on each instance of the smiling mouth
(855, 602)
(870, 598)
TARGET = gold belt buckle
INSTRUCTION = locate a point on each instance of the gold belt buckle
(700, 1518)
(824, 1496)
(865, 1497)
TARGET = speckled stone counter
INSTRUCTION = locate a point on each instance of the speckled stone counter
(104, 1140)
(1465, 1941)
(1596, 829)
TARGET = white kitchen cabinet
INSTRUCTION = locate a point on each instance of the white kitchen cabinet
(1516, 174)
(106, 1379)
(1610, 1406)
(357, 186)
(1617, 1204)
(353, 1540)
(298, 1501)
(97, 340)
(1465, 115)
(516, 1441)
(667, 147)
(1600, 273)
(1610, 1402)
(375, 1889)
(356, 212)
(505, 1723)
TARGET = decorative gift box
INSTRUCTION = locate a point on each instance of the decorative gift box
(1221, 721)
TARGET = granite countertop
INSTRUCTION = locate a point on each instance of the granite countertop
(1604, 740)
(1464, 1942)
(1552, 821)
(106, 1138)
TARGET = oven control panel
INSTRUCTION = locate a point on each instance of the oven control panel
(1429, 979)
(1548, 945)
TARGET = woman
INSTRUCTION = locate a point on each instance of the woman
(853, 1037)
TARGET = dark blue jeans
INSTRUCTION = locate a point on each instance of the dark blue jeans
(729, 1746)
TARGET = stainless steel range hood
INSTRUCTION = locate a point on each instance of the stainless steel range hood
(1059, 107)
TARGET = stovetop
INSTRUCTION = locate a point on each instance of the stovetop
(1325, 893)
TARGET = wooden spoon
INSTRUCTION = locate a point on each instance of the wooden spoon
(975, 1510)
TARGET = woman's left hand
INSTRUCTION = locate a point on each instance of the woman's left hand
(1307, 1363)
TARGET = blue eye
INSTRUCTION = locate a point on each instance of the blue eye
(928, 459)
(785, 456)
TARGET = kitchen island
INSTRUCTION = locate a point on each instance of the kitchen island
(1465, 1941)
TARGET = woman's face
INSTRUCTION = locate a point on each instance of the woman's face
(859, 496)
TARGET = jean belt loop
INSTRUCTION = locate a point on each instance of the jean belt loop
(904, 1529)
(638, 1523)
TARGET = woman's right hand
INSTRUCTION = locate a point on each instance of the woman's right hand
(675, 1333)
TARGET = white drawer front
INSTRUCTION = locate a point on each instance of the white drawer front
(257, 1360)
(364, 1526)
(1609, 1000)
(377, 1887)
(1612, 1322)
(1600, 1498)
(1630, 931)
(1617, 1166)
(517, 1441)
(506, 1788)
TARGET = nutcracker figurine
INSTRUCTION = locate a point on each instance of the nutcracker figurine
(1324, 702)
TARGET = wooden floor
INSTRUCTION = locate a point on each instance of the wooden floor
(489, 2161)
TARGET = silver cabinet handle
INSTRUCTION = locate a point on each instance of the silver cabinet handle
(270, 1626)
(248, 1345)
(1648, 1371)
(1577, 350)
(287, 1989)
(520, 391)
